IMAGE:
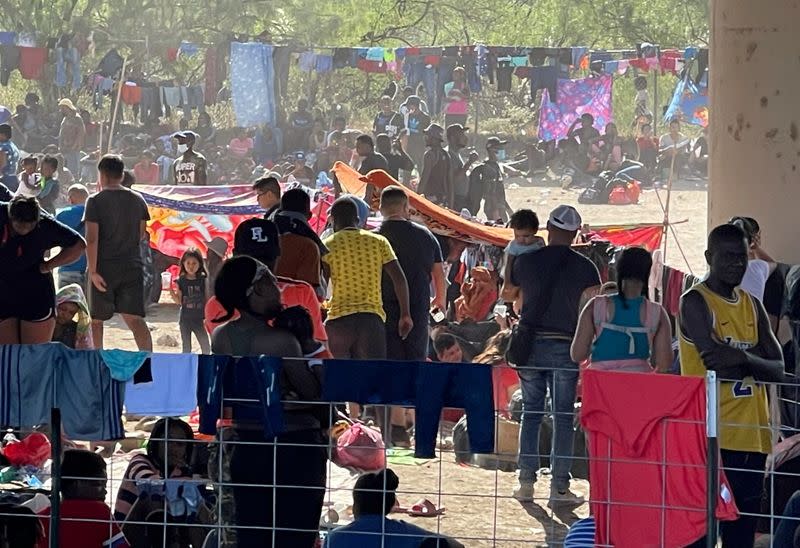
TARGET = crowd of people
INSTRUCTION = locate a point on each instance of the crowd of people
(398, 292)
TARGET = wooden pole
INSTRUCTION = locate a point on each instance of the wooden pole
(669, 196)
(120, 83)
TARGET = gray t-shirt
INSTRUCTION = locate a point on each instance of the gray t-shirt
(119, 214)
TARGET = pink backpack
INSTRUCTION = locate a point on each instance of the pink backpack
(603, 317)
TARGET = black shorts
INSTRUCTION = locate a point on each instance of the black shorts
(124, 293)
(31, 301)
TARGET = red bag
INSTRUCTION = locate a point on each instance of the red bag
(625, 195)
(360, 447)
(31, 451)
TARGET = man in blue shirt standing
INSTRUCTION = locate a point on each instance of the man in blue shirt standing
(9, 157)
(72, 216)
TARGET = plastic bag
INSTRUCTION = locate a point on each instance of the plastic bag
(34, 450)
(360, 447)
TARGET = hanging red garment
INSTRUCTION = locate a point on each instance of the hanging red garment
(640, 64)
(371, 66)
(647, 459)
(172, 54)
(32, 62)
(672, 295)
(131, 94)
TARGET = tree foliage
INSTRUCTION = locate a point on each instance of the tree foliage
(130, 25)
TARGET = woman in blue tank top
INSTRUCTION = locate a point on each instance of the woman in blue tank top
(625, 331)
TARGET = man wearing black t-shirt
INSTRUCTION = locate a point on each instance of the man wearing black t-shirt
(420, 257)
(388, 121)
(301, 123)
(396, 157)
(554, 281)
(434, 180)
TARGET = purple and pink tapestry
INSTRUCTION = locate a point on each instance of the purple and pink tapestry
(575, 97)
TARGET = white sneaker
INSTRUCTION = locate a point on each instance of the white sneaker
(524, 493)
(567, 498)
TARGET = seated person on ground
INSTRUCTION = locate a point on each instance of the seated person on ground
(373, 498)
(73, 322)
(163, 459)
(86, 518)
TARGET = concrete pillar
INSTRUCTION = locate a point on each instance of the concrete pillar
(755, 119)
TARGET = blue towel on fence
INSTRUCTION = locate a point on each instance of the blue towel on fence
(252, 78)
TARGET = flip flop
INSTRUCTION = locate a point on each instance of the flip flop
(424, 508)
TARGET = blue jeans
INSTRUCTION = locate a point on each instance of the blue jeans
(549, 369)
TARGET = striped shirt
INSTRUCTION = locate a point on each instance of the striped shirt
(580, 534)
(140, 468)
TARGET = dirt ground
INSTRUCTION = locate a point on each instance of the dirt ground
(479, 510)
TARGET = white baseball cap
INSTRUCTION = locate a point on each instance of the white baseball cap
(566, 218)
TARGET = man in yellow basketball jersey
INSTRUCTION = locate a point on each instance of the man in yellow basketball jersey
(724, 329)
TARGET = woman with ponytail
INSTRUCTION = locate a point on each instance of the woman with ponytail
(625, 331)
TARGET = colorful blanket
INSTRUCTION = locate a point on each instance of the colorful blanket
(190, 216)
(689, 103)
(575, 98)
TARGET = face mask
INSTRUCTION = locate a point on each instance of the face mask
(501, 155)
(182, 149)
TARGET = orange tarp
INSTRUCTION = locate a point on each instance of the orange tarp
(438, 219)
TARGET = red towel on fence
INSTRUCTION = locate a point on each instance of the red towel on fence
(647, 459)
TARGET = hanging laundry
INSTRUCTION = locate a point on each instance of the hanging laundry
(610, 67)
(8, 38)
(545, 78)
(307, 61)
(427, 386)
(194, 98)
(323, 64)
(341, 58)
(32, 62)
(622, 66)
(375, 54)
(173, 392)
(212, 85)
(171, 96)
(131, 94)
(223, 378)
(648, 471)
(575, 98)
(188, 49)
(368, 66)
(600, 55)
(688, 53)
(27, 39)
(252, 83)
(504, 71)
(519, 61)
(9, 61)
(171, 54)
(68, 68)
(110, 65)
(89, 399)
(689, 103)
(578, 53)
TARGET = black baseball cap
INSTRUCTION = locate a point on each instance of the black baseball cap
(495, 142)
(257, 238)
(452, 129)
